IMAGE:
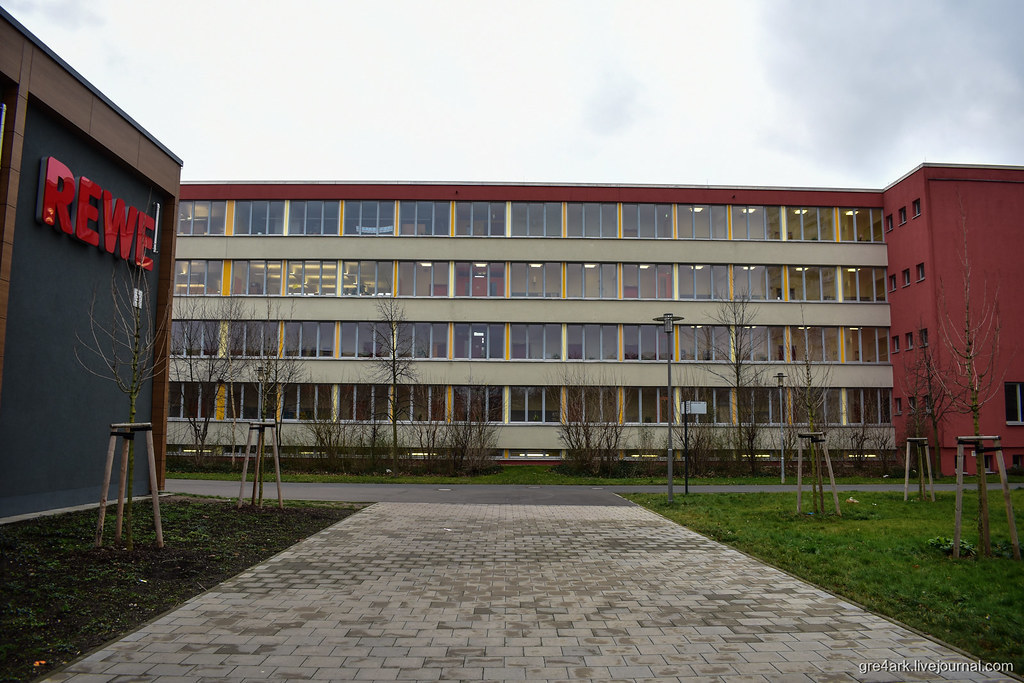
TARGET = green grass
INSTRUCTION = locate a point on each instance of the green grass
(877, 554)
(534, 475)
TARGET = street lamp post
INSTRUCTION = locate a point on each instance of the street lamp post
(782, 430)
(668, 321)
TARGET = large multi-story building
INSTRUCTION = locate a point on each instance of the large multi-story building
(514, 294)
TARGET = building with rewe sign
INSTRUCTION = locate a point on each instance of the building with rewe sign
(87, 197)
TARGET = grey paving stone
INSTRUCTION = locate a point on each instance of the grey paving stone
(436, 591)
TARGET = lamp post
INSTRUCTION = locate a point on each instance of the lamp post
(782, 430)
(668, 321)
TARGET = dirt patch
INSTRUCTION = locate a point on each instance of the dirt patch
(61, 597)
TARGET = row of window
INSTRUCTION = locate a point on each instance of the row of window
(527, 341)
(539, 404)
(531, 219)
(902, 213)
(545, 279)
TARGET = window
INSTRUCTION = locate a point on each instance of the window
(358, 339)
(646, 281)
(591, 220)
(198, 278)
(892, 283)
(306, 402)
(535, 341)
(423, 278)
(866, 345)
(860, 225)
(369, 218)
(888, 223)
(753, 343)
(644, 342)
(201, 217)
(703, 342)
(865, 284)
(486, 279)
(195, 338)
(898, 406)
(922, 336)
(256, 278)
(313, 278)
(536, 279)
(812, 283)
(313, 218)
(895, 343)
(427, 402)
(535, 219)
(534, 404)
(751, 222)
(903, 215)
(429, 340)
(906, 276)
(477, 403)
(920, 272)
(645, 405)
(702, 222)
(592, 342)
(718, 400)
(916, 207)
(810, 223)
(363, 402)
(910, 340)
(647, 221)
(309, 339)
(591, 280)
(366, 278)
(424, 218)
(259, 218)
(482, 341)
(703, 281)
(480, 219)
(254, 338)
(815, 344)
(757, 283)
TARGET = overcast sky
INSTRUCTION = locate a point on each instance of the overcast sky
(779, 92)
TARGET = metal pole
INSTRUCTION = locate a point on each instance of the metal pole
(671, 410)
(781, 433)
(686, 448)
(668, 321)
(782, 429)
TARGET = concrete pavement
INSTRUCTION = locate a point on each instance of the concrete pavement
(458, 591)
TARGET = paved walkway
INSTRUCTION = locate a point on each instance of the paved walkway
(447, 591)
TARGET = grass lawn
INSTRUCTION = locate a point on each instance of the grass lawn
(541, 475)
(878, 555)
(61, 597)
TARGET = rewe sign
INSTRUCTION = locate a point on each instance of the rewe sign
(81, 208)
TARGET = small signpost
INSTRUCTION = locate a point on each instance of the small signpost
(689, 408)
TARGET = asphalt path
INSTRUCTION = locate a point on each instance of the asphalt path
(506, 494)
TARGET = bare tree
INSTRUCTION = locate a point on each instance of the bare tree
(202, 360)
(472, 432)
(971, 336)
(590, 424)
(925, 378)
(744, 372)
(395, 366)
(120, 346)
(811, 406)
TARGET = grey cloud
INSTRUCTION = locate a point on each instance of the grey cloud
(861, 82)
